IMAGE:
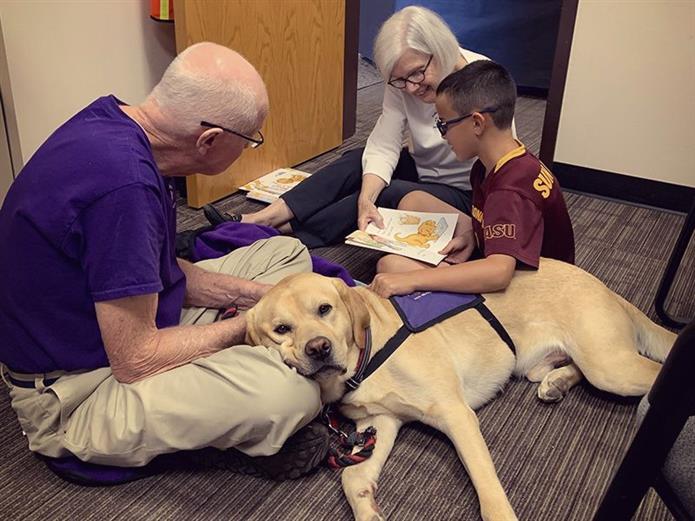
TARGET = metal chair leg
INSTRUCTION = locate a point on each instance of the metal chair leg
(672, 269)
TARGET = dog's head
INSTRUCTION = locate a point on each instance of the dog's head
(316, 323)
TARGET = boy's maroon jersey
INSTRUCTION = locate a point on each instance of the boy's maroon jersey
(518, 210)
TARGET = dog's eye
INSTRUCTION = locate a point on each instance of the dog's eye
(324, 309)
(282, 329)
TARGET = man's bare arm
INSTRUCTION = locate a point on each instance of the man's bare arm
(218, 290)
(137, 349)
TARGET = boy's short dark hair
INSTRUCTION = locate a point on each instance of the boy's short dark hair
(482, 84)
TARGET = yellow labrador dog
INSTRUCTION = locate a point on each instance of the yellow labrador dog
(564, 323)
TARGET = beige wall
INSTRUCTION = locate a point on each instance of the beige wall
(629, 102)
(61, 55)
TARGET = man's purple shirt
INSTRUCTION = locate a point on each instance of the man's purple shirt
(88, 219)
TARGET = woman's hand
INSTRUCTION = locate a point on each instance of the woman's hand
(459, 248)
(368, 213)
(372, 185)
(388, 284)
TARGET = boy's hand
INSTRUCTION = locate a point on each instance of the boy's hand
(459, 248)
(388, 284)
(367, 213)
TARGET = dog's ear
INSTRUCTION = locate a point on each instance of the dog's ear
(359, 314)
(251, 332)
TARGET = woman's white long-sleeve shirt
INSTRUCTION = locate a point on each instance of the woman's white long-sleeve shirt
(433, 157)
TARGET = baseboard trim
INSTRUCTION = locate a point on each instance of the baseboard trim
(532, 92)
(625, 187)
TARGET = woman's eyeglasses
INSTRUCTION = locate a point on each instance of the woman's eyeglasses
(415, 78)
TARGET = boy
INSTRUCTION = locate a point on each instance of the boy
(519, 213)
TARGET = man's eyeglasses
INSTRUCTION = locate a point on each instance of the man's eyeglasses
(254, 142)
(415, 78)
(444, 126)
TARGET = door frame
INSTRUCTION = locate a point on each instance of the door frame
(11, 161)
(558, 78)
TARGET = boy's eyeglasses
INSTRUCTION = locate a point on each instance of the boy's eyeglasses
(254, 142)
(444, 126)
(415, 78)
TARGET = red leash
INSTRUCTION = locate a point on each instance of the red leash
(339, 459)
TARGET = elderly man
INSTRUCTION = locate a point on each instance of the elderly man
(103, 360)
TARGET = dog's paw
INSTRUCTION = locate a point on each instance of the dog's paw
(374, 517)
(552, 390)
(557, 383)
(371, 516)
(363, 503)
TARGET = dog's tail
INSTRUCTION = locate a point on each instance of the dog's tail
(653, 340)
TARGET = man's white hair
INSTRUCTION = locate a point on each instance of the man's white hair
(188, 97)
(419, 29)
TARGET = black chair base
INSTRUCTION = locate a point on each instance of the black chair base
(671, 403)
(671, 500)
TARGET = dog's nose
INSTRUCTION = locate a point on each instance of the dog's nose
(318, 348)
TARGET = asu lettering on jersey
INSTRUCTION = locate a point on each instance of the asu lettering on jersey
(544, 182)
(500, 231)
(525, 213)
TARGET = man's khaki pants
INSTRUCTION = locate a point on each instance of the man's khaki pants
(243, 397)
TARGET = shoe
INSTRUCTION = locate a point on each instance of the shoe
(215, 217)
(301, 453)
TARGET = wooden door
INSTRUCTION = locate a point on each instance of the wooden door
(298, 48)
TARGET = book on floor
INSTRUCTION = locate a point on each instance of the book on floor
(272, 185)
(418, 235)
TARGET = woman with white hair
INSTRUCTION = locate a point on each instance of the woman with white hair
(414, 51)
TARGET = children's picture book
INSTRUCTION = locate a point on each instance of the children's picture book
(272, 185)
(418, 235)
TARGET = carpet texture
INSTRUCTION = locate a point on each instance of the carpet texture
(554, 461)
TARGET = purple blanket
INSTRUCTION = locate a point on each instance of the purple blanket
(230, 235)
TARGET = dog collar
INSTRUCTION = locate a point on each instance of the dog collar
(356, 379)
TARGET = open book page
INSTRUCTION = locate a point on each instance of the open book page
(269, 187)
(418, 235)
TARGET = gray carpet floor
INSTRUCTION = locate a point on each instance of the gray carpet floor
(554, 461)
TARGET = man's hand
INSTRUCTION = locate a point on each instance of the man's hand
(217, 290)
(459, 248)
(250, 292)
(367, 213)
(388, 284)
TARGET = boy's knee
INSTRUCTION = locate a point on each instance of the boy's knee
(388, 263)
(413, 200)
